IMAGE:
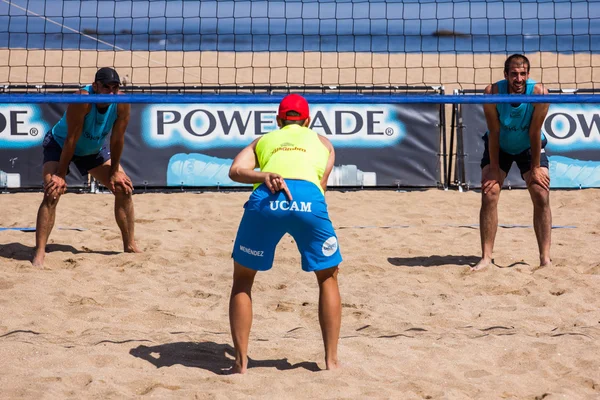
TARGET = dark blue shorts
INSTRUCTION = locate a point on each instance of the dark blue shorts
(267, 217)
(52, 151)
(506, 160)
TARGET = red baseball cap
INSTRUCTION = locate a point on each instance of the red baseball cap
(293, 102)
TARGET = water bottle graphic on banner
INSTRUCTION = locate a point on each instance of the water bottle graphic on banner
(196, 169)
(350, 175)
(568, 172)
(9, 180)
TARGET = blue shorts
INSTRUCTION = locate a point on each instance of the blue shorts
(52, 151)
(267, 217)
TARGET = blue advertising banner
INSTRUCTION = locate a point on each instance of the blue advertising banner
(193, 145)
(22, 130)
(573, 134)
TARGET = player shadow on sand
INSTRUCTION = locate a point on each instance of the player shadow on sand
(438, 261)
(210, 356)
(433, 261)
(18, 251)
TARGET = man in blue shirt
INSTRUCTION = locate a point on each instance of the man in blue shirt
(79, 138)
(515, 135)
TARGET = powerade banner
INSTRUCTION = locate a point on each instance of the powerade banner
(194, 144)
(182, 145)
(573, 149)
(22, 130)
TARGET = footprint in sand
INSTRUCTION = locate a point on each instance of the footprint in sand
(284, 307)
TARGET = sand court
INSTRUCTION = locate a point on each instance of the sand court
(97, 323)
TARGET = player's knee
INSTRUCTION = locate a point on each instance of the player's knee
(328, 273)
(118, 191)
(492, 195)
(51, 200)
(243, 274)
(539, 196)
(121, 191)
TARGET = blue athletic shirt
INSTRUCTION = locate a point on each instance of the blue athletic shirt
(515, 121)
(96, 127)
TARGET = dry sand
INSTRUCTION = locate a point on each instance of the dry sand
(417, 324)
(453, 71)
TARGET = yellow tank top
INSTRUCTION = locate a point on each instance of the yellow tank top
(294, 152)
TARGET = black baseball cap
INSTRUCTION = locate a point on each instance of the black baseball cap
(107, 75)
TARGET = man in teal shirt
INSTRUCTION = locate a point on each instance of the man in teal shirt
(79, 138)
(515, 135)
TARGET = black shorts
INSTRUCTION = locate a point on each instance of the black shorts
(522, 159)
(52, 151)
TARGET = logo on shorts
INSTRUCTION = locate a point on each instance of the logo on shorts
(255, 253)
(290, 206)
(330, 246)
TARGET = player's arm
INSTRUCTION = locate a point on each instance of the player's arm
(540, 111)
(117, 136)
(75, 119)
(330, 161)
(243, 170)
(493, 124)
(76, 113)
(117, 142)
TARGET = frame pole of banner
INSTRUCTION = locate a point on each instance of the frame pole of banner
(443, 141)
(451, 151)
(460, 148)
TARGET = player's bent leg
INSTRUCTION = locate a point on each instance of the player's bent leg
(45, 216)
(330, 314)
(125, 217)
(240, 314)
(488, 219)
(542, 218)
(124, 211)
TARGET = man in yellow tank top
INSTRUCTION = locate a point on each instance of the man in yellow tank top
(288, 197)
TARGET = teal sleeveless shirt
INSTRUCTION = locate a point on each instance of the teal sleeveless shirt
(96, 127)
(515, 121)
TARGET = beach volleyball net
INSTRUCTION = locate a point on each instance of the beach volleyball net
(458, 44)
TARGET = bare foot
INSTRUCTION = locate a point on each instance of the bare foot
(132, 248)
(38, 259)
(330, 366)
(547, 263)
(235, 369)
(484, 262)
(543, 264)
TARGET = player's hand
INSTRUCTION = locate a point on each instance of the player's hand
(275, 183)
(491, 179)
(539, 176)
(55, 187)
(121, 179)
